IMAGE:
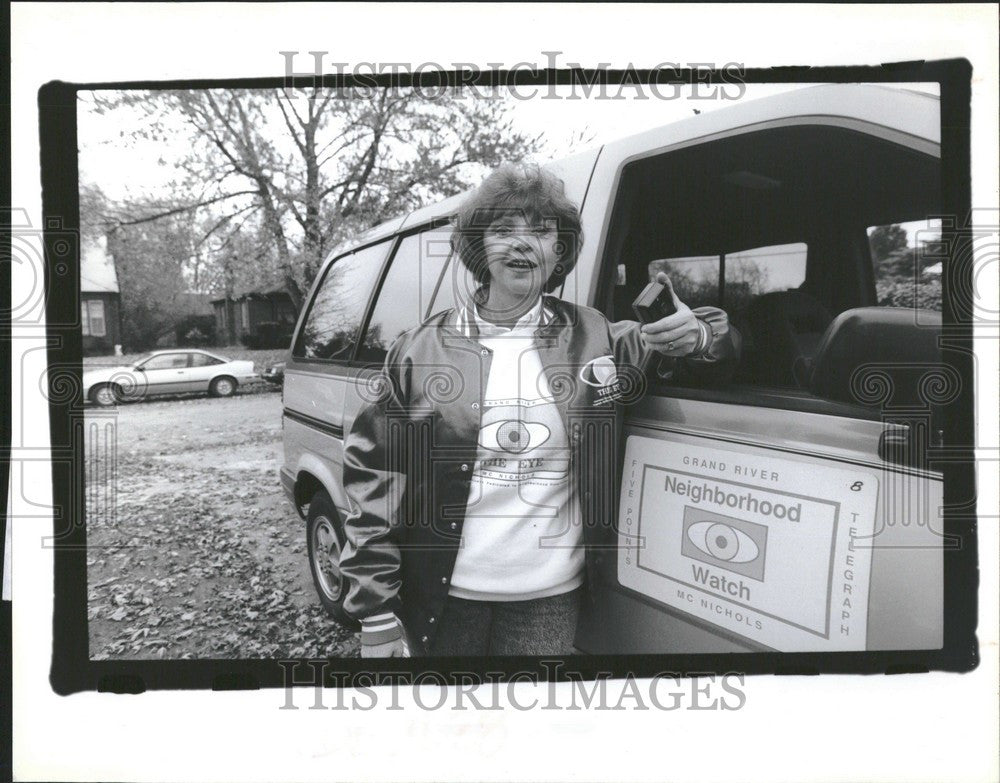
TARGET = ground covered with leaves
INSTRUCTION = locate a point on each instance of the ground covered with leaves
(193, 551)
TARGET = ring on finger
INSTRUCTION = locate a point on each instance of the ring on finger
(670, 345)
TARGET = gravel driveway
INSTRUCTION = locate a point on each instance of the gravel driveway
(193, 551)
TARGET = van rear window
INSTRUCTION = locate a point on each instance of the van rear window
(408, 290)
(906, 260)
(334, 320)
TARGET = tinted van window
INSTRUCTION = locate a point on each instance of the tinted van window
(745, 274)
(762, 270)
(407, 291)
(334, 318)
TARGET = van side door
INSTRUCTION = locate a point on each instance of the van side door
(772, 512)
(319, 370)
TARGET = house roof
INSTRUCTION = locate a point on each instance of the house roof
(97, 268)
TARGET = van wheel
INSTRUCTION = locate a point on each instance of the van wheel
(105, 395)
(325, 539)
(223, 387)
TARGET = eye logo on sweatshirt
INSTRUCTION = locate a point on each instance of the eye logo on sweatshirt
(513, 436)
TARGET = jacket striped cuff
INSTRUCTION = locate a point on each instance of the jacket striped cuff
(380, 629)
(704, 341)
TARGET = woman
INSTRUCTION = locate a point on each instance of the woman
(482, 477)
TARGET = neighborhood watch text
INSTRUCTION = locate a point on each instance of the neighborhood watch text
(745, 501)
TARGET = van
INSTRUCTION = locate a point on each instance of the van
(793, 508)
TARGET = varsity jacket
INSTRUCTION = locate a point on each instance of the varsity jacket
(411, 450)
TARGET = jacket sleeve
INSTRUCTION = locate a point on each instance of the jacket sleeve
(714, 365)
(374, 481)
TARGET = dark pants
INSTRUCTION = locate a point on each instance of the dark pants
(542, 626)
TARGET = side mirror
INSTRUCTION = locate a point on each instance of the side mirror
(137, 368)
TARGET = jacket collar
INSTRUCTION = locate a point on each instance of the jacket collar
(466, 320)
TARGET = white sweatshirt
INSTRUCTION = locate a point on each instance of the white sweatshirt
(521, 539)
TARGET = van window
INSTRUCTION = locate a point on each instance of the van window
(762, 270)
(695, 278)
(732, 280)
(334, 318)
(456, 289)
(907, 264)
(407, 292)
(766, 225)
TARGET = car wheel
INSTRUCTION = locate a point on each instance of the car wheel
(325, 537)
(223, 387)
(105, 395)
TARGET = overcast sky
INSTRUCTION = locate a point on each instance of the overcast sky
(110, 158)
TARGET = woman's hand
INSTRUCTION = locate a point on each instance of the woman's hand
(394, 649)
(676, 335)
(383, 636)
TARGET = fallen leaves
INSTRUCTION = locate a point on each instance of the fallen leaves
(202, 557)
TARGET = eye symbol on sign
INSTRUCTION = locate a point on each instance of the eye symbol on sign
(723, 542)
(513, 436)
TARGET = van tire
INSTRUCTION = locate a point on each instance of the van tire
(325, 541)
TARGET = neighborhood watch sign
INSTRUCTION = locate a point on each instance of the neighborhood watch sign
(767, 552)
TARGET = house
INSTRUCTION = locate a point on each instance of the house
(100, 301)
(194, 324)
(258, 318)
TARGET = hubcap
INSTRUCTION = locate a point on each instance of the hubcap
(105, 396)
(224, 388)
(326, 559)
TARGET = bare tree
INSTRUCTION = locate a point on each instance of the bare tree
(313, 167)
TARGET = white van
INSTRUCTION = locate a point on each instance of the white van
(792, 509)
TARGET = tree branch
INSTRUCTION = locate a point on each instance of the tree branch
(186, 208)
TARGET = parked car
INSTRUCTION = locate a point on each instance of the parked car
(275, 373)
(788, 510)
(167, 372)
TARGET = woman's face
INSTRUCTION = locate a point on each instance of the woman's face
(521, 257)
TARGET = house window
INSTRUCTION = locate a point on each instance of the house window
(92, 316)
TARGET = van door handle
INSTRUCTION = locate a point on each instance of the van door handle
(894, 446)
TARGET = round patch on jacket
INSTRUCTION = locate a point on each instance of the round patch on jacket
(602, 374)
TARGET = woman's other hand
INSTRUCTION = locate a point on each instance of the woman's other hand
(382, 636)
(395, 649)
(680, 334)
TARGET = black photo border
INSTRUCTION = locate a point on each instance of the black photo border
(72, 669)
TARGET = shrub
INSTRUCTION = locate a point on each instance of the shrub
(905, 293)
(195, 330)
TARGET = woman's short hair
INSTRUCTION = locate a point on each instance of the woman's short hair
(530, 192)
